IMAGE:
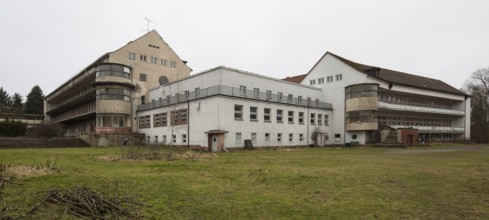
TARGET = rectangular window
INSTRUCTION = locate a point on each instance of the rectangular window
(179, 117)
(337, 137)
(142, 58)
(242, 90)
(313, 118)
(144, 122)
(279, 96)
(253, 138)
(156, 139)
(269, 95)
(289, 98)
(174, 139)
(291, 117)
(256, 92)
(164, 119)
(266, 114)
(299, 99)
(159, 120)
(132, 56)
(301, 117)
(329, 79)
(163, 62)
(339, 77)
(173, 64)
(197, 92)
(291, 137)
(279, 115)
(312, 82)
(187, 94)
(164, 139)
(320, 119)
(321, 80)
(301, 137)
(143, 99)
(238, 138)
(267, 137)
(279, 137)
(326, 117)
(238, 112)
(253, 113)
(142, 77)
(154, 60)
(184, 138)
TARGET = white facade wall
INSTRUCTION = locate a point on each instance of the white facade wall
(217, 112)
(334, 92)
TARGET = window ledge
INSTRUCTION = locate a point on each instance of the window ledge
(238, 119)
(254, 120)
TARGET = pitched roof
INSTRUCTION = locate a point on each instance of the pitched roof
(400, 78)
(296, 79)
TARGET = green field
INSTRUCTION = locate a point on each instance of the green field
(440, 182)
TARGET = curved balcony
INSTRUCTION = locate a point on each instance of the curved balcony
(362, 104)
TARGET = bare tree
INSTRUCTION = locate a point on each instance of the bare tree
(478, 87)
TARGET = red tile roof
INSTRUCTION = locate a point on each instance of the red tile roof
(296, 79)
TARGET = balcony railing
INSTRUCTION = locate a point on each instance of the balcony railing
(397, 107)
(82, 93)
(433, 129)
(232, 92)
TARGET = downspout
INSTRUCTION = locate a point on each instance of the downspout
(188, 124)
(308, 122)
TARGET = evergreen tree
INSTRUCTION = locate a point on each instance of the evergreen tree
(5, 101)
(35, 101)
(17, 103)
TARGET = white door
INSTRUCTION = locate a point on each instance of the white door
(214, 143)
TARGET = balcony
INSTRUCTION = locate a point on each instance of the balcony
(361, 126)
(77, 99)
(408, 108)
(433, 129)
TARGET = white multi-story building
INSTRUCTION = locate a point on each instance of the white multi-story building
(222, 107)
(368, 98)
(338, 100)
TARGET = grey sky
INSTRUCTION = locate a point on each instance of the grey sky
(46, 42)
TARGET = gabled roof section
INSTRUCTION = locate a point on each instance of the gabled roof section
(396, 77)
(295, 79)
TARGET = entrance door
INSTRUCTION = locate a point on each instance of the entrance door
(214, 143)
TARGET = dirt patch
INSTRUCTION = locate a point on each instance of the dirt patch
(428, 150)
(22, 171)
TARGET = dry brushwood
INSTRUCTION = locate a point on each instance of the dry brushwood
(83, 202)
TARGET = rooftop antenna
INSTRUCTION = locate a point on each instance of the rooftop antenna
(148, 21)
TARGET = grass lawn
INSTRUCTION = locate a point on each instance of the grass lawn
(366, 183)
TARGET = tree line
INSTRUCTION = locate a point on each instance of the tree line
(477, 86)
(15, 104)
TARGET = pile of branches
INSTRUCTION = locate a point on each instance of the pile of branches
(83, 202)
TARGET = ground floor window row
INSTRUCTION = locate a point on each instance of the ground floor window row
(407, 121)
(81, 127)
(280, 115)
(165, 139)
(404, 100)
(175, 117)
(267, 137)
(113, 121)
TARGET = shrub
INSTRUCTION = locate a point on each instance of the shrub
(45, 131)
(12, 128)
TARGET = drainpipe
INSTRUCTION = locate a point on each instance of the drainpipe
(188, 123)
(308, 122)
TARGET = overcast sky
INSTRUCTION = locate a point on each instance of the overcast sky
(46, 42)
